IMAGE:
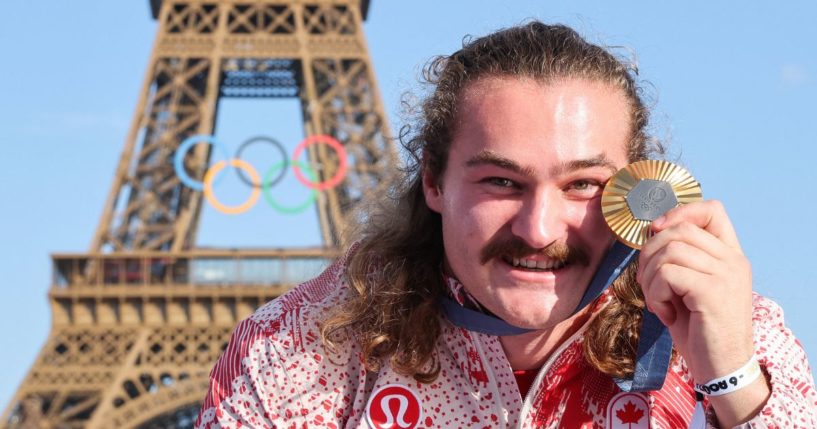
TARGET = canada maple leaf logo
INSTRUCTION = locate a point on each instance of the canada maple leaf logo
(630, 414)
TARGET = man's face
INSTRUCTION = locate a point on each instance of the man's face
(520, 194)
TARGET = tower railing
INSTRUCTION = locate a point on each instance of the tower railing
(201, 268)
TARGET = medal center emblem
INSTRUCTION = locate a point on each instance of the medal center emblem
(649, 199)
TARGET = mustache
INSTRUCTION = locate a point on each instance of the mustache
(515, 247)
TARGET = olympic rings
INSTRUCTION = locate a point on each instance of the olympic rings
(270, 179)
(208, 187)
(334, 144)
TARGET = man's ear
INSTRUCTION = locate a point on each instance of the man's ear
(432, 191)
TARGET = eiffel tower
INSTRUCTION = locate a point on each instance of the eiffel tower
(139, 320)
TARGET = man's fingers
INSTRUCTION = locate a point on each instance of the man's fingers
(676, 253)
(709, 215)
(671, 287)
(684, 244)
(665, 311)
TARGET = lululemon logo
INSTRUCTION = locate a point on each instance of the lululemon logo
(628, 410)
(394, 406)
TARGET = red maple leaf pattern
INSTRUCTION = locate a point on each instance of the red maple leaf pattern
(629, 414)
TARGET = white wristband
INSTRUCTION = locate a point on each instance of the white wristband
(731, 382)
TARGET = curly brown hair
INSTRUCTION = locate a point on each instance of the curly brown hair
(395, 271)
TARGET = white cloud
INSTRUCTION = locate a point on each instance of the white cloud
(794, 75)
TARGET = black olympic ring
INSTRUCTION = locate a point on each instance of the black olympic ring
(273, 142)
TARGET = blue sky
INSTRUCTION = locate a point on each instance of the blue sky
(734, 90)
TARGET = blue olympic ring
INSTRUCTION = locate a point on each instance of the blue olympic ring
(178, 158)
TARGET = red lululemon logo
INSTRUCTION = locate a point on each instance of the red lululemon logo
(628, 411)
(394, 406)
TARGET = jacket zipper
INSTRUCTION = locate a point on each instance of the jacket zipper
(526, 403)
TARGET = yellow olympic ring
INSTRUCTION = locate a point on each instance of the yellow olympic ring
(208, 186)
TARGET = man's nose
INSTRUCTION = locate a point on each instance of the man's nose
(541, 220)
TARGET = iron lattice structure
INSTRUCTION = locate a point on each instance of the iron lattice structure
(140, 319)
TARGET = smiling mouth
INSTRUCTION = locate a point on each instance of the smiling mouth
(533, 265)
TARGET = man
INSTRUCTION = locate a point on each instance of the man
(501, 213)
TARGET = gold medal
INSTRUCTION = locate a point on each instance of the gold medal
(640, 193)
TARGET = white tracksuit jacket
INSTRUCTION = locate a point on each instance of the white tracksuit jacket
(275, 373)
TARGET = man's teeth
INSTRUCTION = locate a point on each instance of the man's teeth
(540, 265)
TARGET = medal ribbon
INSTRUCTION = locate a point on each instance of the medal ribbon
(654, 344)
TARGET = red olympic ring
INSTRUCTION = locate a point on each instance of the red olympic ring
(342, 167)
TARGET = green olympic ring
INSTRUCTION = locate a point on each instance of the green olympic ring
(274, 204)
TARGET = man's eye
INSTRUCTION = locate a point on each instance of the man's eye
(585, 186)
(501, 182)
